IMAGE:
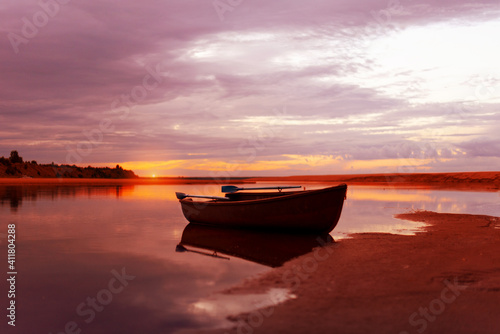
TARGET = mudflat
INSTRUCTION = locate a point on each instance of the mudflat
(444, 279)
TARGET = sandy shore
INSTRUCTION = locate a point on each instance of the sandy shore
(445, 279)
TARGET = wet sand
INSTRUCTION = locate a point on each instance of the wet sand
(445, 279)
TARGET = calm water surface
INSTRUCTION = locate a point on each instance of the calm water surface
(104, 260)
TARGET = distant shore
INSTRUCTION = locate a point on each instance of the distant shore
(478, 181)
(19, 169)
(444, 279)
(116, 181)
(458, 180)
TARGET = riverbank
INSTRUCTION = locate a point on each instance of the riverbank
(445, 279)
(33, 170)
(470, 181)
(458, 181)
(113, 182)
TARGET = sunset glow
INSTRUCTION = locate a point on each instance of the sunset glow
(278, 88)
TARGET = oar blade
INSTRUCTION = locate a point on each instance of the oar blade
(229, 189)
(180, 248)
(180, 195)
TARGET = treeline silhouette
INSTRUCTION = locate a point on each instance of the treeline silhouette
(15, 167)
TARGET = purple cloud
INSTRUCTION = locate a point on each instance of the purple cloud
(183, 77)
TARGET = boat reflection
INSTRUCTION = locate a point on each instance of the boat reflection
(14, 195)
(268, 248)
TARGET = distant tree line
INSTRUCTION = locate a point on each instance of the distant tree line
(16, 166)
(13, 159)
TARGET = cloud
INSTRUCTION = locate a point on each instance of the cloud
(356, 79)
(482, 147)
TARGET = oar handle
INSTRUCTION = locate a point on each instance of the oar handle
(180, 249)
(232, 189)
(180, 195)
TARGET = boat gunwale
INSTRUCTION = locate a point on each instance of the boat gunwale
(293, 194)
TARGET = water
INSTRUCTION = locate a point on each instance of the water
(371, 209)
(103, 258)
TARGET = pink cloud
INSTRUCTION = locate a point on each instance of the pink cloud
(66, 78)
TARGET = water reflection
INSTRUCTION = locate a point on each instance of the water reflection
(268, 248)
(371, 209)
(58, 285)
(13, 195)
(71, 238)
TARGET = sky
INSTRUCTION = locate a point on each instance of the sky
(251, 87)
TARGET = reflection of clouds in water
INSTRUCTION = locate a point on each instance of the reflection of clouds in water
(15, 194)
(71, 237)
(386, 194)
(222, 306)
(371, 209)
(78, 279)
(153, 301)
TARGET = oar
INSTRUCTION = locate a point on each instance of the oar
(232, 189)
(180, 249)
(183, 195)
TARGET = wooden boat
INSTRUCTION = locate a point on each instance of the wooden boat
(270, 248)
(308, 210)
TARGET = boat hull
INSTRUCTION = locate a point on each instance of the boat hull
(312, 211)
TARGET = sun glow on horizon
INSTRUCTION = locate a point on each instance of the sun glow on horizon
(281, 165)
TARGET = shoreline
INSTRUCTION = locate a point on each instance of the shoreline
(463, 181)
(444, 279)
(112, 182)
(489, 181)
